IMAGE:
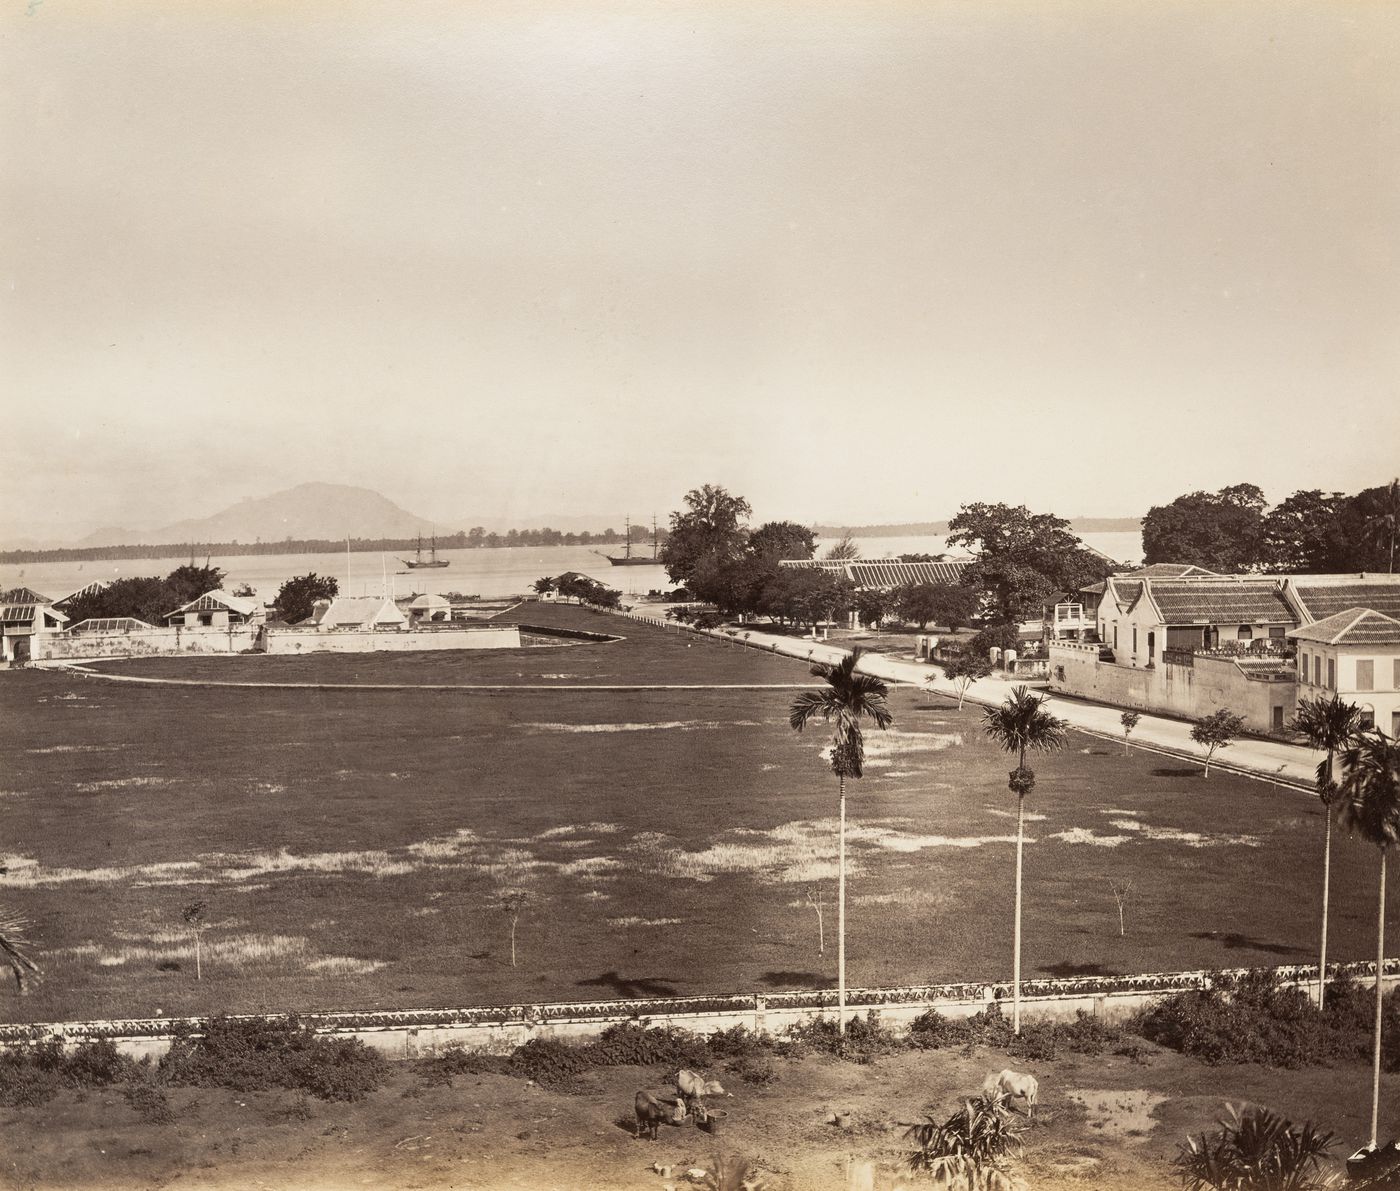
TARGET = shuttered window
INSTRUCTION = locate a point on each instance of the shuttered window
(1366, 675)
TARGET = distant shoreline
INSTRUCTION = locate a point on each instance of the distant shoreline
(923, 529)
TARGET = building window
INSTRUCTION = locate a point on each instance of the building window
(1302, 666)
(1317, 669)
(1244, 633)
(1135, 640)
(1331, 674)
(1368, 718)
(1276, 632)
(1395, 678)
(1365, 675)
(1278, 719)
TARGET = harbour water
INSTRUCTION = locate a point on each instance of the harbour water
(484, 572)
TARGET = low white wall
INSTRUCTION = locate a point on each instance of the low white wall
(150, 643)
(294, 641)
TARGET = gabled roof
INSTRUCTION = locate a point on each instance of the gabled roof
(428, 600)
(23, 595)
(356, 612)
(1169, 570)
(1321, 596)
(1222, 599)
(218, 601)
(110, 624)
(1355, 626)
(29, 613)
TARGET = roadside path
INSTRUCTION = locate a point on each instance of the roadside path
(1273, 760)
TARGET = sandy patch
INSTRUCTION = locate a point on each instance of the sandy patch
(1192, 839)
(1085, 835)
(1123, 1115)
(658, 726)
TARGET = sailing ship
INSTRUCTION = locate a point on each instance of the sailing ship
(425, 563)
(641, 560)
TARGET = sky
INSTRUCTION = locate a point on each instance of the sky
(857, 262)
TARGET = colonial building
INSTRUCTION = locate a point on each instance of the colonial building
(1354, 654)
(27, 620)
(355, 612)
(216, 610)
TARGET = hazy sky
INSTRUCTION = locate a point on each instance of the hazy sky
(856, 261)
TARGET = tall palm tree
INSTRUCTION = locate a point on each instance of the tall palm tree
(844, 702)
(1330, 725)
(14, 948)
(1017, 725)
(1370, 807)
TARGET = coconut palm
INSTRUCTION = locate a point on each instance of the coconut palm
(14, 948)
(1255, 1150)
(543, 585)
(1019, 724)
(845, 701)
(1370, 807)
(1327, 724)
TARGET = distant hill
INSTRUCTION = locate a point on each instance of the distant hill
(923, 529)
(306, 511)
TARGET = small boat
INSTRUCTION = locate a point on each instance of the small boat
(640, 561)
(425, 563)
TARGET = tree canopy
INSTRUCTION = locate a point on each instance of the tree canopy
(297, 595)
(149, 599)
(1024, 560)
(708, 532)
(1221, 531)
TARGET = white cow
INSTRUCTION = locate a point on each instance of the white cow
(694, 1088)
(1012, 1084)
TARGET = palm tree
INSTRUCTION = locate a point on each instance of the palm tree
(1328, 724)
(543, 585)
(1385, 523)
(1255, 1150)
(1370, 806)
(14, 948)
(1018, 724)
(846, 700)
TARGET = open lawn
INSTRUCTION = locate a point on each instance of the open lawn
(351, 844)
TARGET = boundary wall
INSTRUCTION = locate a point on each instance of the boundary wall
(283, 642)
(405, 1034)
(155, 642)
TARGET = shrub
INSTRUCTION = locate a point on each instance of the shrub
(634, 1043)
(864, 1041)
(551, 1063)
(150, 1103)
(254, 1054)
(454, 1060)
(32, 1075)
(1256, 1150)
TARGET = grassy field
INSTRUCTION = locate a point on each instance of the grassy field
(351, 845)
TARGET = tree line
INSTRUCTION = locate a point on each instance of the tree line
(1311, 532)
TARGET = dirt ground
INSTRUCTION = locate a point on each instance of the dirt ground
(1103, 1123)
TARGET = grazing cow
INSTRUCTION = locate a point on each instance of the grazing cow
(694, 1088)
(653, 1110)
(1012, 1084)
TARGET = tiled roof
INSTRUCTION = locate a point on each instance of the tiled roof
(1355, 626)
(23, 595)
(883, 573)
(1322, 600)
(1225, 600)
(1127, 591)
(1169, 570)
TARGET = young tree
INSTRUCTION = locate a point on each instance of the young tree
(1329, 724)
(843, 549)
(193, 917)
(1122, 891)
(512, 901)
(1370, 807)
(14, 948)
(963, 671)
(1019, 724)
(847, 700)
(1129, 720)
(297, 595)
(1216, 731)
(814, 899)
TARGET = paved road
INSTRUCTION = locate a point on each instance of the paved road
(1270, 759)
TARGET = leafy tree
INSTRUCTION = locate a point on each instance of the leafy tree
(1129, 720)
(1255, 1150)
(711, 528)
(994, 636)
(805, 596)
(964, 670)
(1017, 725)
(1216, 731)
(1306, 534)
(843, 549)
(297, 595)
(189, 582)
(543, 585)
(147, 599)
(942, 603)
(1329, 724)
(1024, 559)
(1221, 531)
(1377, 512)
(872, 605)
(14, 948)
(776, 540)
(847, 700)
(1370, 807)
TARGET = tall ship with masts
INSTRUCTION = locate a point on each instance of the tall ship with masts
(628, 559)
(421, 563)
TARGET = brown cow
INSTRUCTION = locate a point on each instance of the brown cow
(653, 1110)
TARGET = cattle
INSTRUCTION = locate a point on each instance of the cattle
(653, 1111)
(1012, 1084)
(694, 1088)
